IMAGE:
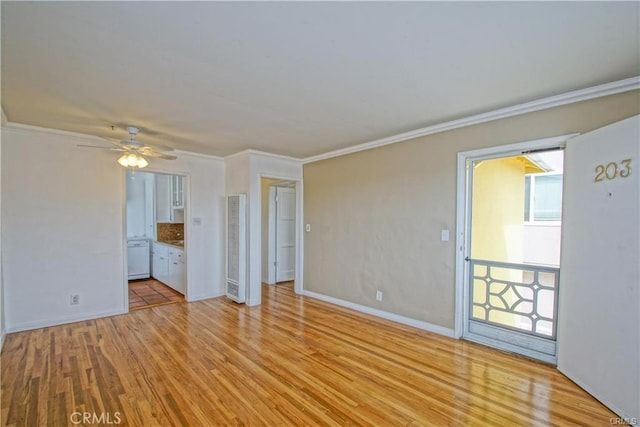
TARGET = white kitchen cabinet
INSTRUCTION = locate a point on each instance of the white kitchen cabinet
(170, 198)
(169, 266)
(177, 191)
(160, 264)
(177, 270)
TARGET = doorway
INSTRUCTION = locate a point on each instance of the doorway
(278, 231)
(155, 232)
(510, 247)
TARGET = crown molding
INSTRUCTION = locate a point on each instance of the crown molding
(594, 92)
(198, 155)
(262, 153)
(31, 128)
(83, 136)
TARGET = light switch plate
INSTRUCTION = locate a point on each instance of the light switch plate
(444, 235)
(308, 227)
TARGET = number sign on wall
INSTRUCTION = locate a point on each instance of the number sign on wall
(613, 170)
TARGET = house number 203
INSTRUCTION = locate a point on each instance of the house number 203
(613, 170)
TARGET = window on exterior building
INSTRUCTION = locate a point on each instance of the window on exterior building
(543, 197)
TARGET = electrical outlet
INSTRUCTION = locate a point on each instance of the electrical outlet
(75, 299)
(378, 295)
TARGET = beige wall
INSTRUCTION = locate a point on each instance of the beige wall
(376, 215)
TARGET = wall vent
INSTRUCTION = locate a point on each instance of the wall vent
(236, 248)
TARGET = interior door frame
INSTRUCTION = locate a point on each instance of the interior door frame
(271, 238)
(463, 213)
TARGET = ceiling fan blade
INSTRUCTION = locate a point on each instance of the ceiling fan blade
(139, 145)
(117, 143)
(158, 147)
(102, 148)
(147, 149)
(159, 155)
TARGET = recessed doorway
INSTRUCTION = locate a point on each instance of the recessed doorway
(278, 231)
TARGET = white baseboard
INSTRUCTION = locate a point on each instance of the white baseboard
(588, 389)
(206, 296)
(62, 320)
(426, 326)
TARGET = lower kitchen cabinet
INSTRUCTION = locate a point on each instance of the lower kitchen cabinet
(176, 270)
(168, 266)
(160, 262)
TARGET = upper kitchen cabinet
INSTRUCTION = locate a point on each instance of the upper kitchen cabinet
(177, 191)
(169, 198)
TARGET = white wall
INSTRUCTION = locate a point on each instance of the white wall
(542, 244)
(2, 322)
(63, 217)
(271, 166)
(204, 243)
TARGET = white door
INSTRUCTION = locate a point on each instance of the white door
(285, 233)
(599, 325)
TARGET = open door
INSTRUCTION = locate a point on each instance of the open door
(285, 241)
(599, 302)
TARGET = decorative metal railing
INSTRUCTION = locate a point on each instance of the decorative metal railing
(522, 297)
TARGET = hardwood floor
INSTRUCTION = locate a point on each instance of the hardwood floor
(291, 361)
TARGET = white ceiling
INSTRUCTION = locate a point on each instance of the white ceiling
(298, 79)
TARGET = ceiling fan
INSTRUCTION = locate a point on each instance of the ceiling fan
(135, 151)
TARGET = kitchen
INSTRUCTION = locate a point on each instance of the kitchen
(155, 239)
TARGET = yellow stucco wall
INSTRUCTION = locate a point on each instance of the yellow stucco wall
(497, 230)
(498, 210)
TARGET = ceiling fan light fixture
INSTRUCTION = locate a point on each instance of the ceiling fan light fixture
(132, 160)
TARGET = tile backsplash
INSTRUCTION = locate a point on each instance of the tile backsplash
(169, 231)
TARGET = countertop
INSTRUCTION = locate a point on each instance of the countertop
(175, 243)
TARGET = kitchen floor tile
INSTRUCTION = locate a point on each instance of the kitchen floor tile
(149, 293)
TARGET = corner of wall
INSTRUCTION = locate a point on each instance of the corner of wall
(3, 330)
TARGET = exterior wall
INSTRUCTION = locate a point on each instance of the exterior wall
(542, 244)
(376, 215)
(498, 210)
(497, 232)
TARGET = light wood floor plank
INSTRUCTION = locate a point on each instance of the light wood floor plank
(291, 361)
